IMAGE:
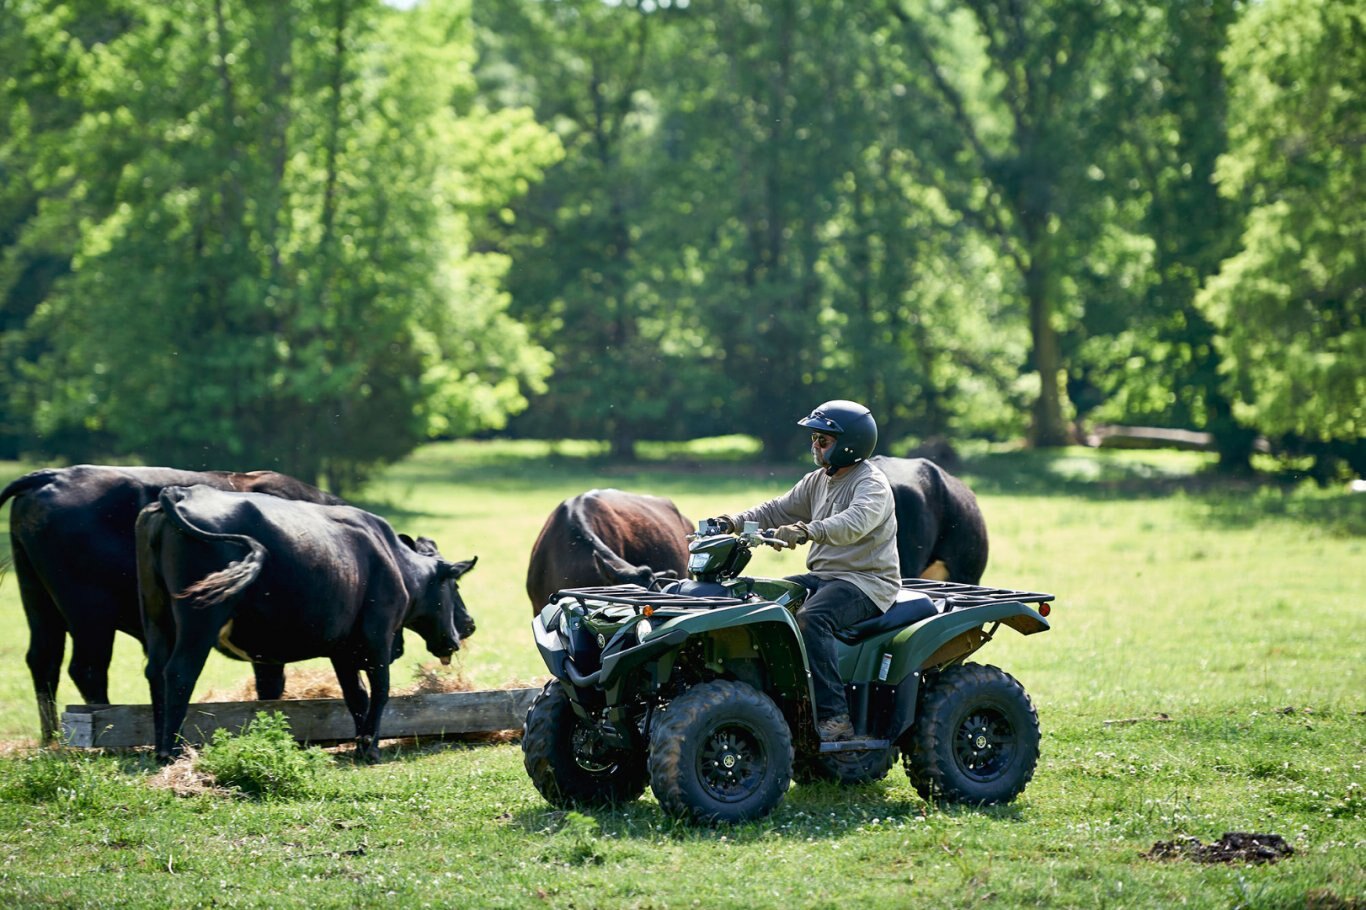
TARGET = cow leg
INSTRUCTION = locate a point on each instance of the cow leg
(368, 740)
(186, 662)
(159, 644)
(46, 642)
(357, 701)
(91, 651)
(270, 681)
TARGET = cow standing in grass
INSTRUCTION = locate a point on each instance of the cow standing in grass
(275, 582)
(940, 530)
(604, 537)
(71, 533)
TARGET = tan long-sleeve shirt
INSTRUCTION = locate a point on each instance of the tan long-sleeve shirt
(852, 522)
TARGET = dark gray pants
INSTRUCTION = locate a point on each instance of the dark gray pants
(834, 605)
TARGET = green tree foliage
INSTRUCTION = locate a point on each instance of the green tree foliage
(1144, 352)
(274, 268)
(43, 48)
(1014, 94)
(582, 237)
(1290, 305)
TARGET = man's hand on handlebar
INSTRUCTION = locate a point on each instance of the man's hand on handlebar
(793, 535)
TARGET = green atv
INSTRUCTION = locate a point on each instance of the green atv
(701, 689)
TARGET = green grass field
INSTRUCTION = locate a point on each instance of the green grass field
(1203, 675)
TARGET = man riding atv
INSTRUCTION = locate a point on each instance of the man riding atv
(844, 509)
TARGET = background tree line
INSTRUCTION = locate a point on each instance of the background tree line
(310, 235)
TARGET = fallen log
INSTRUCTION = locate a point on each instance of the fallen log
(315, 721)
(1117, 437)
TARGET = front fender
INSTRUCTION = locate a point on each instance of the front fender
(545, 627)
(765, 632)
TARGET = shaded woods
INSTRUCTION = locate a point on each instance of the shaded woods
(313, 235)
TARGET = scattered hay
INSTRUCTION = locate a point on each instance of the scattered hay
(321, 682)
(1233, 847)
(183, 779)
(9, 748)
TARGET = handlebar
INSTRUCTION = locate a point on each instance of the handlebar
(764, 537)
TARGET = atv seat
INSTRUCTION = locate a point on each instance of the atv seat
(908, 608)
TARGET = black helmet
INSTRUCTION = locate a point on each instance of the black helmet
(854, 426)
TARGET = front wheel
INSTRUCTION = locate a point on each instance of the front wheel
(976, 739)
(567, 760)
(720, 752)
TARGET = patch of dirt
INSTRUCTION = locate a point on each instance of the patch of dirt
(1324, 899)
(1233, 847)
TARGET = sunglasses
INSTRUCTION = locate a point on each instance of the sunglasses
(820, 440)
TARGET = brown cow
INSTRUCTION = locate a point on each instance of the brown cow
(71, 532)
(625, 531)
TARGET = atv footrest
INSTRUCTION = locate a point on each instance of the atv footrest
(855, 745)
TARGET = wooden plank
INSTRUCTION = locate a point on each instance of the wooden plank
(312, 720)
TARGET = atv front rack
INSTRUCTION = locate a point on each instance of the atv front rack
(956, 594)
(639, 597)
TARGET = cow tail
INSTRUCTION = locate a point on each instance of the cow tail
(227, 582)
(22, 485)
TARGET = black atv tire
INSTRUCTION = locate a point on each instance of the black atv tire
(558, 753)
(976, 740)
(720, 752)
(844, 767)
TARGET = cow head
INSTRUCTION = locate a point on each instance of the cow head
(617, 571)
(438, 613)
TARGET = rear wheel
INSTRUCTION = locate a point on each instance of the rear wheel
(567, 760)
(720, 752)
(976, 739)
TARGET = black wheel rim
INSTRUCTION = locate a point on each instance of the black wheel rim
(731, 763)
(984, 744)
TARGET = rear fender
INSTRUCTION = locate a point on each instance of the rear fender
(949, 637)
(938, 641)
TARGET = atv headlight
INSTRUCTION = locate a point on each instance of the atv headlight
(643, 628)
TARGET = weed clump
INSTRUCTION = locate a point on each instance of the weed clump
(263, 760)
(58, 776)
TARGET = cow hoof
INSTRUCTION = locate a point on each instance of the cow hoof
(367, 751)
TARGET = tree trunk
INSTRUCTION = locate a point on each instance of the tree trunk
(1047, 427)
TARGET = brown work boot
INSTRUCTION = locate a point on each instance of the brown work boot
(835, 729)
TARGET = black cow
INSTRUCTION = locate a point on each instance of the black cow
(605, 536)
(277, 581)
(71, 532)
(940, 530)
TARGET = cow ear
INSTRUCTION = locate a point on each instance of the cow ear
(453, 570)
(408, 541)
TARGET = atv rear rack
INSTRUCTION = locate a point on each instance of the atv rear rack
(639, 597)
(957, 595)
